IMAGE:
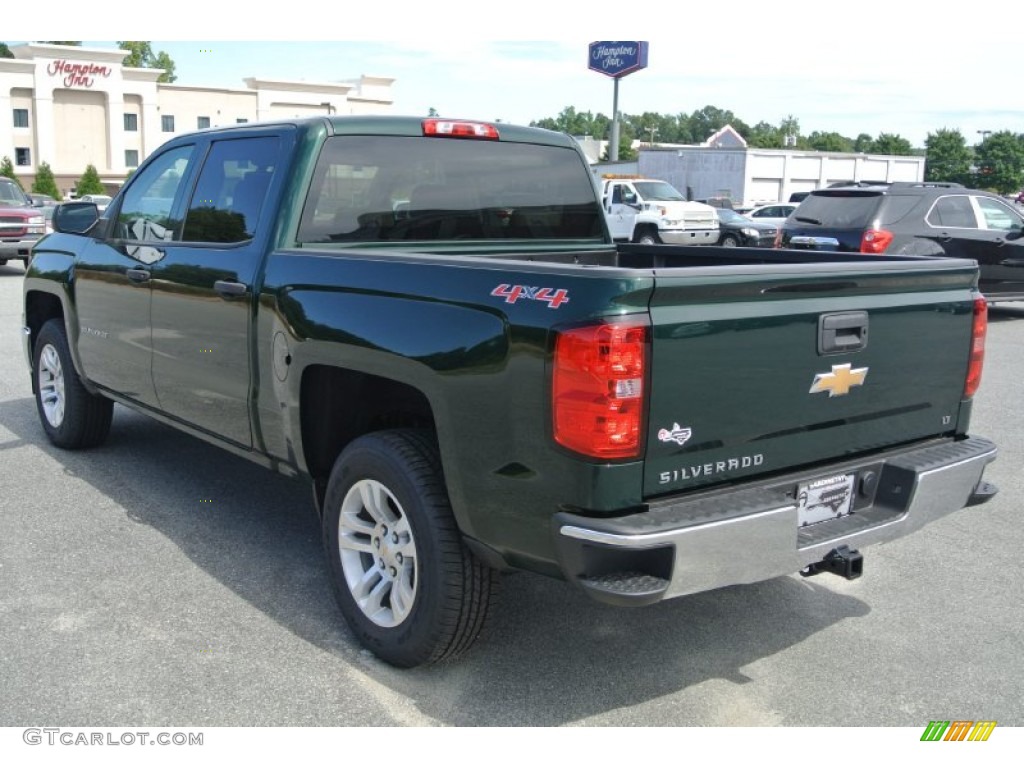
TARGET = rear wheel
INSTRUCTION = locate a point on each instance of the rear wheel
(406, 584)
(70, 415)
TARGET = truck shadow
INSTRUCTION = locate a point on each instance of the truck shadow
(1006, 312)
(550, 656)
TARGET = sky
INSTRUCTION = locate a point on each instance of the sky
(862, 67)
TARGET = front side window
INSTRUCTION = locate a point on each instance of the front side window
(148, 202)
(232, 187)
(402, 188)
(998, 216)
(21, 118)
(952, 211)
(167, 123)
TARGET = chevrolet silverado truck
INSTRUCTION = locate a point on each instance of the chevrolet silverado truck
(649, 211)
(429, 320)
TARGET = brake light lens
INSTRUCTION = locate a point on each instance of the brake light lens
(978, 331)
(598, 388)
(459, 129)
(875, 241)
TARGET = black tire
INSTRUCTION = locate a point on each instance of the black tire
(397, 474)
(647, 237)
(70, 415)
(729, 241)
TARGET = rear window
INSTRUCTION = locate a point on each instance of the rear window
(839, 210)
(400, 188)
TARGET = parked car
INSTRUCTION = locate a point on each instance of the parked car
(21, 225)
(921, 219)
(39, 199)
(739, 230)
(772, 213)
(798, 197)
(101, 201)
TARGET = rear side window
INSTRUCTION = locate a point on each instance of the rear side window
(232, 186)
(840, 210)
(400, 188)
(952, 211)
(998, 216)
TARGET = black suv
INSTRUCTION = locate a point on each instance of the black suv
(920, 219)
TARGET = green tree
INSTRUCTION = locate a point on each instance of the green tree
(764, 135)
(5, 52)
(891, 144)
(45, 184)
(1000, 162)
(90, 183)
(141, 54)
(7, 169)
(829, 142)
(947, 157)
(863, 142)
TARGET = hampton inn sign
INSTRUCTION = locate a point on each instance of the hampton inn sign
(77, 74)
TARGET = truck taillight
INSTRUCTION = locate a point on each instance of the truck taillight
(875, 240)
(460, 129)
(978, 332)
(598, 388)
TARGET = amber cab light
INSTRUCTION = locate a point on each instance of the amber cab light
(875, 240)
(598, 388)
(977, 360)
(460, 129)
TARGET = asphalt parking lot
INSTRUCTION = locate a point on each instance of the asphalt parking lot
(159, 580)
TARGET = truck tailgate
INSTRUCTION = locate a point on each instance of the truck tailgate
(800, 364)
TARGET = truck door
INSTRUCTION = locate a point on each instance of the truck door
(203, 294)
(112, 277)
(620, 209)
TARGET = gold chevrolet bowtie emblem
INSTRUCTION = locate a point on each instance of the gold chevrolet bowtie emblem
(839, 382)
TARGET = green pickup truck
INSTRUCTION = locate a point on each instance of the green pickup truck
(428, 319)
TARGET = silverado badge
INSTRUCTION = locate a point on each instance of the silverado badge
(840, 381)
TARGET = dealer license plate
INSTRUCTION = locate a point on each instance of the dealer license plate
(826, 499)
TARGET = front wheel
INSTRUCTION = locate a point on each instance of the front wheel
(729, 241)
(648, 237)
(71, 416)
(405, 582)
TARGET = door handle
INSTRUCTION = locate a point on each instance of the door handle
(138, 275)
(229, 289)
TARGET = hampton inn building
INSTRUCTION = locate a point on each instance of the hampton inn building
(71, 107)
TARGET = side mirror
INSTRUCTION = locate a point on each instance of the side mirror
(75, 218)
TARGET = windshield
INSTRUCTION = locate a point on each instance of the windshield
(658, 191)
(11, 194)
(401, 188)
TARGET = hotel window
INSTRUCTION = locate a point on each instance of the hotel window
(21, 118)
(22, 156)
(131, 158)
(131, 121)
(242, 120)
(202, 122)
(167, 123)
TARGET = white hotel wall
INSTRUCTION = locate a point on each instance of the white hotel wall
(76, 108)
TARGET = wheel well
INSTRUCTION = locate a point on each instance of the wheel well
(339, 405)
(40, 307)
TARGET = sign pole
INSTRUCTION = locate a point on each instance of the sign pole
(613, 150)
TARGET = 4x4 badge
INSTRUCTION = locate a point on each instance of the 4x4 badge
(839, 381)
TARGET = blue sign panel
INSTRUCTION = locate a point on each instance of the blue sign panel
(617, 58)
